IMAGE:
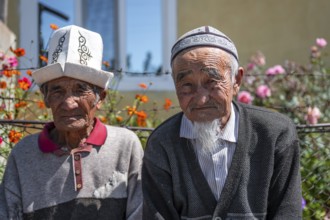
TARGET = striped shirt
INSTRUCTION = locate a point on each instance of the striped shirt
(215, 165)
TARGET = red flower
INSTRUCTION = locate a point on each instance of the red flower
(24, 83)
(19, 52)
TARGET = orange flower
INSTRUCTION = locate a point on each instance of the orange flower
(3, 85)
(29, 72)
(7, 73)
(143, 86)
(103, 119)
(19, 52)
(10, 73)
(41, 104)
(43, 58)
(141, 118)
(24, 83)
(168, 104)
(119, 118)
(53, 26)
(14, 136)
(131, 110)
(142, 98)
(21, 104)
(106, 64)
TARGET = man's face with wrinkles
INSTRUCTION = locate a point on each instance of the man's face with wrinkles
(203, 83)
(72, 103)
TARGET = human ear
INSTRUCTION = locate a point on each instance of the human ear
(238, 80)
(103, 94)
(44, 92)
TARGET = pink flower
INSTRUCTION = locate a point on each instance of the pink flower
(313, 114)
(245, 97)
(250, 66)
(277, 69)
(321, 42)
(1, 140)
(12, 61)
(258, 59)
(263, 91)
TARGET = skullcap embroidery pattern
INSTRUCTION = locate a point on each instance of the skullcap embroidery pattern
(58, 49)
(84, 52)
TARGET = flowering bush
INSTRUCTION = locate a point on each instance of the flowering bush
(301, 92)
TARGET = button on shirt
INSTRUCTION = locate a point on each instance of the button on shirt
(96, 138)
(215, 165)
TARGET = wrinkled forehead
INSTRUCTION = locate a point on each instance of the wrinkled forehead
(201, 56)
(67, 82)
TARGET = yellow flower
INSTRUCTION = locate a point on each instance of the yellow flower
(131, 110)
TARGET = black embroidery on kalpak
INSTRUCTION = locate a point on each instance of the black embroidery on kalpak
(58, 49)
(84, 52)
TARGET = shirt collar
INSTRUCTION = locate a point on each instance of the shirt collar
(228, 133)
(97, 137)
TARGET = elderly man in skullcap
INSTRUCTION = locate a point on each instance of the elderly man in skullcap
(77, 167)
(219, 159)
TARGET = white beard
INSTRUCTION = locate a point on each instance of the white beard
(207, 135)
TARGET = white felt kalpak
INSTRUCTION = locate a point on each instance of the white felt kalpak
(77, 53)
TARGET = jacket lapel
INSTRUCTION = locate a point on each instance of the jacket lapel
(235, 171)
(197, 175)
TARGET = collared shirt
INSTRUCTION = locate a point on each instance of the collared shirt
(215, 166)
(96, 138)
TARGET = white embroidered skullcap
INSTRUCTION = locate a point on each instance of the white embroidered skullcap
(204, 36)
(77, 53)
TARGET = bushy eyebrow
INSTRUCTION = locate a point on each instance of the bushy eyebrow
(212, 72)
(54, 87)
(182, 75)
(84, 86)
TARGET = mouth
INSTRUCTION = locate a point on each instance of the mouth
(203, 108)
(71, 117)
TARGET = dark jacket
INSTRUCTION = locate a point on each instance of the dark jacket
(263, 181)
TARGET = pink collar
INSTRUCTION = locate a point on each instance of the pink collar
(96, 138)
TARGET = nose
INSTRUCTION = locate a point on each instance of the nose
(202, 96)
(69, 102)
